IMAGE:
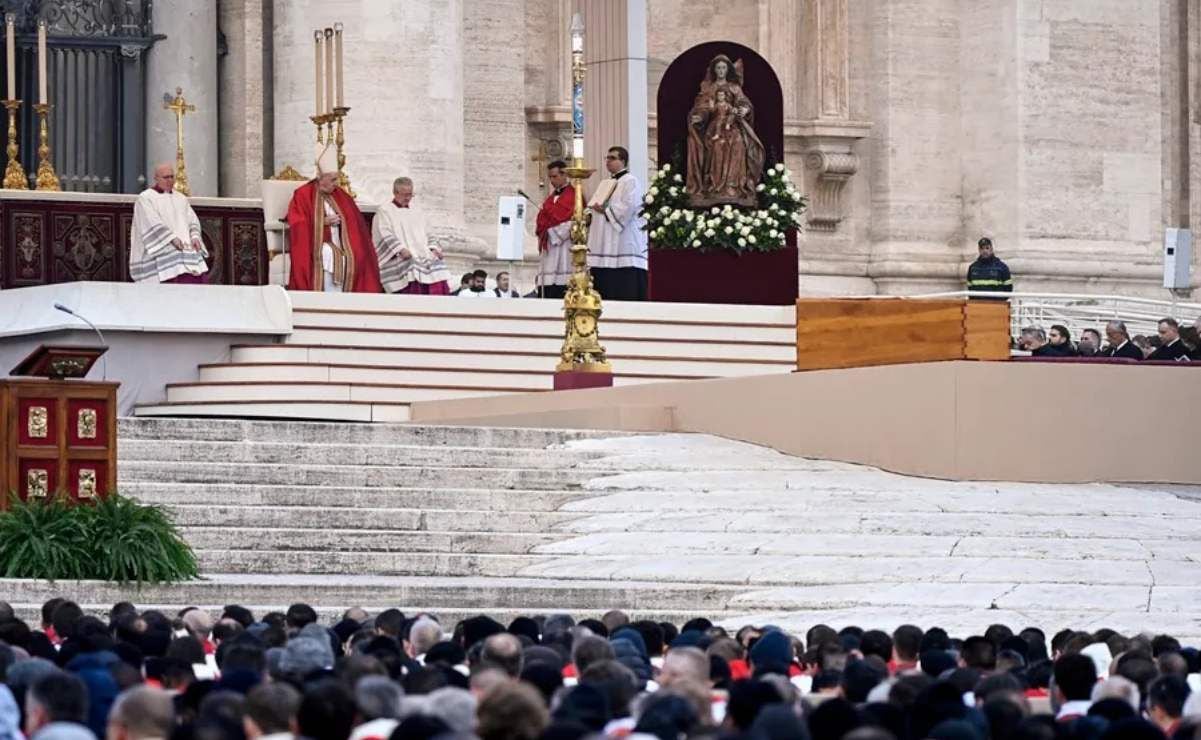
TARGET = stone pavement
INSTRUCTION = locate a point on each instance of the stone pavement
(504, 521)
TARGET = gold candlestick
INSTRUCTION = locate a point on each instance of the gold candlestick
(319, 121)
(47, 179)
(14, 174)
(340, 139)
(181, 108)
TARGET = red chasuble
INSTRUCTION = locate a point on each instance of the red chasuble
(555, 210)
(308, 231)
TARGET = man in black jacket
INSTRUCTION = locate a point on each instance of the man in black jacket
(1170, 348)
(1119, 342)
(988, 273)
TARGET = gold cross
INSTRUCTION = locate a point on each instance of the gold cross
(181, 108)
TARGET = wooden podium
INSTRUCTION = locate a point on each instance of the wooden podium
(59, 431)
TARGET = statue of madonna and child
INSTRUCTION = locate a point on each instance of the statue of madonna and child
(725, 156)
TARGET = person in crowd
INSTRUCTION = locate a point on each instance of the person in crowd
(1059, 343)
(988, 274)
(1171, 348)
(477, 288)
(1032, 339)
(1089, 344)
(165, 243)
(503, 289)
(464, 284)
(1119, 342)
(142, 713)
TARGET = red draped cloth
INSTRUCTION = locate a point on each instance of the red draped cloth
(306, 220)
(555, 210)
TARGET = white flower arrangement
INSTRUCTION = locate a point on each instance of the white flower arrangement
(672, 223)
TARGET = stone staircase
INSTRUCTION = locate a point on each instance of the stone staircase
(358, 357)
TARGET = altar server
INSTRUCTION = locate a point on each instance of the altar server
(165, 244)
(330, 242)
(554, 233)
(408, 263)
(617, 244)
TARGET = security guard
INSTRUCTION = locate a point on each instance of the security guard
(987, 273)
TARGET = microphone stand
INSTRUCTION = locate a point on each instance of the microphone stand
(104, 357)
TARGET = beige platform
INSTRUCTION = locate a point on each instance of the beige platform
(954, 420)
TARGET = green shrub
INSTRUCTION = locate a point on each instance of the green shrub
(114, 539)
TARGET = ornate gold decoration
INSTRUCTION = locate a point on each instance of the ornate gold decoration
(340, 141)
(289, 173)
(67, 367)
(14, 174)
(582, 351)
(38, 424)
(37, 483)
(47, 179)
(87, 483)
(86, 424)
(181, 109)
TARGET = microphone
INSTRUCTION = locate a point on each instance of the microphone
(531, 200)
(104, 357)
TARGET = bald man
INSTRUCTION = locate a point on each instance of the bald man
(165, 245)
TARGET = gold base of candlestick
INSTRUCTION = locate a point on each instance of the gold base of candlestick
(47, 179)
(14, 173)
(582, 351)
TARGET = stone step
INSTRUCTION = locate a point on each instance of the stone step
(461, 594)
(353, 475)
(445, 375)
(239, 430)
(181, 393)
(229, 559)
(344, 498)
(310, 453)
(282, 539)
(281, 411)
(366, 519)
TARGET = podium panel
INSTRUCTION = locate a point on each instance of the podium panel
(58, 435)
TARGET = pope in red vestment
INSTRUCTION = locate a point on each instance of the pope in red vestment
(553, 228)
(331, 245)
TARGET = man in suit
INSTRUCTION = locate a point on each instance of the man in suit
(1119, 342)
(1170, 348)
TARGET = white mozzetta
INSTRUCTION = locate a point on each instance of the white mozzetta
(130, 307)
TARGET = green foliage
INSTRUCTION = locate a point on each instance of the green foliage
(114, 539)
(672, 223)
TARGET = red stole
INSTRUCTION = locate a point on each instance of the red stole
(305, 217)
(553, 213)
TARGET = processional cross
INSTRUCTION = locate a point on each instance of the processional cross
(180, 108)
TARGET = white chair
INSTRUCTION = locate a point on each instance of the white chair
(277, 194)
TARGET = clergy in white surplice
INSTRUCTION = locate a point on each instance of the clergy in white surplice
(165, 244)
(408, 263)
(617, 244)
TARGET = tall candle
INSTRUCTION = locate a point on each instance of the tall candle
(10, 22)
(338, 54)
(317, 71)
(329, 70)
(42, 62)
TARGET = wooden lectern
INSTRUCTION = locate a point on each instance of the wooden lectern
(59, 430)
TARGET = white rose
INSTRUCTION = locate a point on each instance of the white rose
(775, 234)
(758, 222)
(665, 210)
(796, 196)
(677, 178)
(649, 199)
(786, 172)
(689, 215)
(761, 187)
(742, 242)
(696, 242)
(729, 229)
(709, 233)
(773, 191)
(751, 238)
(746, 230)
(774, 207)
(667, 168)
(715, 210)
(673, 191)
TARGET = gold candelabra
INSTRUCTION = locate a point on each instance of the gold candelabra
(582, 351)
(181, 108)
(47, 179)
(14, 173)
(330, 131)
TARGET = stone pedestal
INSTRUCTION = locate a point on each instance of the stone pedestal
(186, 58)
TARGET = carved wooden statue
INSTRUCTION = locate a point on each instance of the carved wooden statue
(725, 156)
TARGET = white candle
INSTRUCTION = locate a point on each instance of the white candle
(317, 72)
(10, 23)
(338, 54)
(329, 70)
(577, 148)
(42, 62)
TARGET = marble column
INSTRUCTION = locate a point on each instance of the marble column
(186, 58)
(244, 85)
(404, 87)
(615, 91)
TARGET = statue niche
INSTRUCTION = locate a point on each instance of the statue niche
(725, 156)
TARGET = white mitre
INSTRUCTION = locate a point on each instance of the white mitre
(327, 159)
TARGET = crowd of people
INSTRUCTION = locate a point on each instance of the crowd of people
(136, 675)
(1171, 343)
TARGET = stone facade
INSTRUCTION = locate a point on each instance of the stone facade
(1064, 129)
